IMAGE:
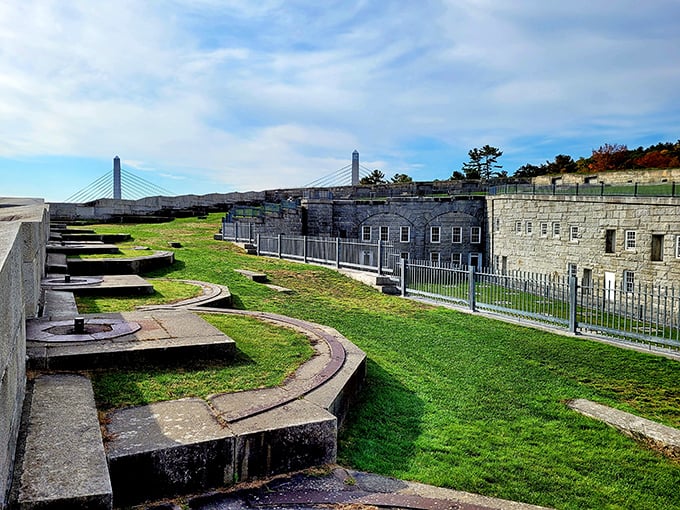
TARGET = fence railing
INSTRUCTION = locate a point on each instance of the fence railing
(648, 315)
(239, 232)
(664, 189)
(379, 256)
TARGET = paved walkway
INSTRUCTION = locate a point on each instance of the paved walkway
(340, 488)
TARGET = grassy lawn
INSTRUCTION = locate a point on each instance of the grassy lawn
(165, 292)
(458, 400)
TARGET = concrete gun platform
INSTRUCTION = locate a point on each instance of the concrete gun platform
(104, 285)
(187, 445)
(164, 336)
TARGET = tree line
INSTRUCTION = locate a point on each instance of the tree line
(483, 163)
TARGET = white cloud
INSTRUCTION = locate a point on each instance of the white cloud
(266, 94)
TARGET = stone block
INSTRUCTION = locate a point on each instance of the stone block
(167, 448)
(294, 436)
(63, 464)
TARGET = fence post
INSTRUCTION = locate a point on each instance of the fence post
(257, 246)
(280, 251)
(471, 289)
(224, 228)
(636, 189)
(250, 232)
(577, 189)
(337, 252)
(572, 304)
(602, 189)
(236, 231)
(380, 250)
(402, 276)
(304, 249)
(673, 189)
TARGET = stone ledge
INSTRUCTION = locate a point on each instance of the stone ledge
(253, 275)
(62, 462)
(662, 438)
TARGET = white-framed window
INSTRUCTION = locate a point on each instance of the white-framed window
(572, 270)
(475, 235)
(677, 247)
(366, 233)
(404, 255)
(631, 239)
(574, 233)
(384, 233)
(435, 235)
(518, 227)
(457, 259)
(628, 281)
(497, 224)
(529, 227)
(457, 235)
(544, 229)
(405, 234)
(557, 228)
(434, 257)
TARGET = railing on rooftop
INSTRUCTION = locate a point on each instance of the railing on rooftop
(633, 189)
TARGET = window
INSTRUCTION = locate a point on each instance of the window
(518, 227)
(456, 259)
(631, 239)
(587, 282)
(657, 247)
(572, 270)
(434, 257)
(573, 233)
(528, 227)
(610, 241)
(677, 247)
(475, 235)
(556, 229)
(628, 281)
(405, 234)
(366, 233)
(403, 255)
(384, 233)
(457, 235)
(544, 229)
(497, 224)
(435, 234)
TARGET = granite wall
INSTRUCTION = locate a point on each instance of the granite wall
(24, 230)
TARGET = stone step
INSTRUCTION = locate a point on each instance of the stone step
(61, 461)
(253, 275)
(59, 304)
(56, 263)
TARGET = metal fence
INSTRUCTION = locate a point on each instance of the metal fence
(379, 256)
(663, 189)
(648, 315)
(239, 232)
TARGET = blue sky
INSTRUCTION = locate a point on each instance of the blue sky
(202, 96)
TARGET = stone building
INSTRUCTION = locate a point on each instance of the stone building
(614, 241)
(439, 229)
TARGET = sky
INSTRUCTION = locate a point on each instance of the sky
(205, 96)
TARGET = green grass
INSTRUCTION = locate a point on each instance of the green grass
(165, 292)
(124, 253)
(458, 400)
(266, 355)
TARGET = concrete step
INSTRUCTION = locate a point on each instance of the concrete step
(253, 275)
(59, 305)
(61, 461)
(56, 263)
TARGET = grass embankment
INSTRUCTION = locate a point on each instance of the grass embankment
(458, 400)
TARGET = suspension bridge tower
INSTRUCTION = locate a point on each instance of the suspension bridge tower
(355, 168)
(116, 179)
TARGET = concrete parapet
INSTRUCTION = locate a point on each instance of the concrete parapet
(121, 265)
(24, 230)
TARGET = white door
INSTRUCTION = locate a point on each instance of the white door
(610, 285)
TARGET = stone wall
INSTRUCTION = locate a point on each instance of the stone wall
(24, 230)
(592, 235)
